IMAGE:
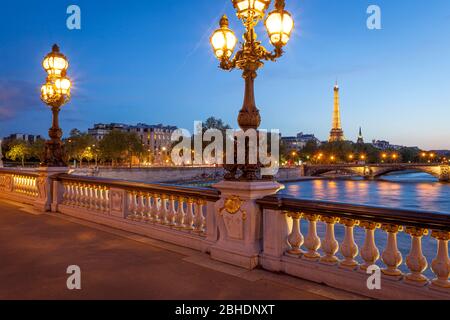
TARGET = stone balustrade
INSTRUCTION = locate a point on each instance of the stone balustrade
(292, 245)
(169, 213)
(247, 224)
(19, 186)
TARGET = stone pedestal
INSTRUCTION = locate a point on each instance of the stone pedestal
(239, 220)
(45, 185)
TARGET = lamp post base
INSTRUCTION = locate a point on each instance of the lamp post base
(53, 156)
(239, 220)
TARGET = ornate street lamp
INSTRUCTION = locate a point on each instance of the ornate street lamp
(55, 93)
(251, 56)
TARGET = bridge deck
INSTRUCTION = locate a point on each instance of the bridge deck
(36, 249)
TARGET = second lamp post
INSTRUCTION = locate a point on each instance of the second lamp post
(252, 54)
(55, 93)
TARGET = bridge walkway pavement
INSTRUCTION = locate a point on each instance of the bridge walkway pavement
(36, 249)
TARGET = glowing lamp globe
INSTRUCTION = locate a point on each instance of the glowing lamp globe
(47, 92)
(251, 8)
(55, 63)
(223, 40)
(63, 86)
(56, 93)
(279, 25)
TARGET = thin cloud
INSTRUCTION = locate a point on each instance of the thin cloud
(16, 97)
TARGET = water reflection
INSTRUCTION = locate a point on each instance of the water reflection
(410, 191)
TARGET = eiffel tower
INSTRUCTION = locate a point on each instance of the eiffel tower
(336, 134)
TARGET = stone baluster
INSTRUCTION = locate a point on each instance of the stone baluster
(330, 245)
(295, 238)
(79, 200)
(65, 194)
(100, 199)
(79, 195)
(189, 221)
(164, 211)
(72, 194)
(172, 211)
(92, 196)
(76, 195)
(441, 264)
(140, 206)
(24, 183)
(391, 257)
(179, 218)
(312, 240)
(88, 196)
(84, 198)
(91, 203)
(148, 207)
(31, 186)
(95, 200)
(101, 193)
(155, 208)
(369, 250)
(199, 224)
(28, 186)
(132, 206)
(105, 199)
(349, 249)
(416, 261)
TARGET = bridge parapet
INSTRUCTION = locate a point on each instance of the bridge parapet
(20, 186)
(372, 171)
(238, 224)
(313, 256)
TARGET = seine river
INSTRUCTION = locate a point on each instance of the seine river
(410, 191)
(417, 191)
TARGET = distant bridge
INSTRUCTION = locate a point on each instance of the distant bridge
(373, 171)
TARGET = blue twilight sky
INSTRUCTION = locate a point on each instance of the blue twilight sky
(150, 61)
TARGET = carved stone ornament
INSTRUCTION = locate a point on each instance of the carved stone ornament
(234, 223)
(233, 205)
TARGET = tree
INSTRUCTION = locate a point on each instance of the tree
(214, 123)
(75, 133)
(410, 154)
(117, 145)
(19, 151)
(77, 145)
(210, 123)
(134, 145)
(37, 149)
(340, 150)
